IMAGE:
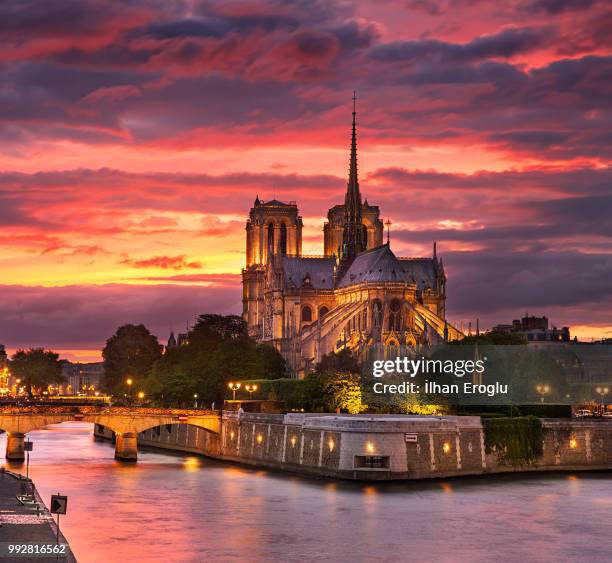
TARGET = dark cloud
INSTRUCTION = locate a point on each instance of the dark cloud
(217, 26)
(20, 19)
(557, 6)
(505, 44)
(491, 282)
(32, 316)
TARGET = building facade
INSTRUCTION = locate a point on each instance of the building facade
(536, 330)
(357, 294)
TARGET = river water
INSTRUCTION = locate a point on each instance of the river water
(187, 508)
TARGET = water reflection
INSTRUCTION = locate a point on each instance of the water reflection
(188, 508)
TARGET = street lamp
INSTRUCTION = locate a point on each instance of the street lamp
(141, 395)
(234, 387)
(251, 389)
(195, 400)
(129, 384)
(602, 391)
(542, 390)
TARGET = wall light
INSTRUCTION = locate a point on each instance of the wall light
(370, 447)
(331, 445)
(259, 438)
(293, 441)
(573, 443)
(446, 447)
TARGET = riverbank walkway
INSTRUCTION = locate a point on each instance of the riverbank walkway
(23, 524)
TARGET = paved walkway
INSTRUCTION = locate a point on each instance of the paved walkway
(21, 524)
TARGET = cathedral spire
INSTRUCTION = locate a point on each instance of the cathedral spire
(352, 201)
(353, 235)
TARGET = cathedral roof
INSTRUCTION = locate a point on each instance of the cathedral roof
(376, 265)
(317, 273)
(381, 265)
(275, 203)
(420, 270)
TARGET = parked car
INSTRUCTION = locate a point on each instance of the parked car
(583, 413)
(607, 414)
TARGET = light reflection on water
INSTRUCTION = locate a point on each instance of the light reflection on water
(188, 508)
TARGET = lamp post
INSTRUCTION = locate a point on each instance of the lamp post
(234, 387)
(602, 391)
(251, 389)
(129, 382)
(141, 395)
(542, 390)
(195, 400)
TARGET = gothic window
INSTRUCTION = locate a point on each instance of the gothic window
(395, 316)
(283, 239)
(306, 314)
(270, 239)
(323, 311)
(365, 237)
(377, 313)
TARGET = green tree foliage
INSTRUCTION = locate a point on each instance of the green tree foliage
(342, 361)
(516, 440)
(218, 350)
(37, 368)
(129, 353)
(343, 393)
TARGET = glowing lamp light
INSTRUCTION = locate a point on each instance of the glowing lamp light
(331, 445)
(370, 447)
(573, 444)
(293, 441)
(232, 435)
(446, 447)
(259, 438)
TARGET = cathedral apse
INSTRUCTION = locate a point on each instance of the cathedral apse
(356, 295)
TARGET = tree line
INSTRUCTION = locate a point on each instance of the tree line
(217, 350)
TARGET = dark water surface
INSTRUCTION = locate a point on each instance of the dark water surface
(186, 508)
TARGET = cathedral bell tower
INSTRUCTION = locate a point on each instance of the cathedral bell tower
(273, 230)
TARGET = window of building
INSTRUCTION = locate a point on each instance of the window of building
(323, 311)
(376, 313)
(270, 239)
(306, 314)
(395, 318)
(283, 239)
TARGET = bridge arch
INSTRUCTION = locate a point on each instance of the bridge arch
(126, 423)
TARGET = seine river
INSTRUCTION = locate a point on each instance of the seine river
(185, 508)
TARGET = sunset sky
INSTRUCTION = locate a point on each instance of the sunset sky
(135, 135)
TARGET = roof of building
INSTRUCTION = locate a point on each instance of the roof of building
(381, 265)
(376, 265)
(275, 203)
(317, 273)
(420, 270)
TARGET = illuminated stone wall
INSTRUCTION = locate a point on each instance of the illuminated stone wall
(379, 447)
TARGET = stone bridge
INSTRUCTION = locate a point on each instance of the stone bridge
(125, 422)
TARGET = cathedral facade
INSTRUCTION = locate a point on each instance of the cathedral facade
(358, 293)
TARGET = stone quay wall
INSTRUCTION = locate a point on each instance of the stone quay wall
(378, 447)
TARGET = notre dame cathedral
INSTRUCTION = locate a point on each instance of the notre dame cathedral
(357, 294)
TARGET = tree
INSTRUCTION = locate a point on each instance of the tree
(37, 367)
(129, 353)
(218, 350)
(342, 361)
(343, 391)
